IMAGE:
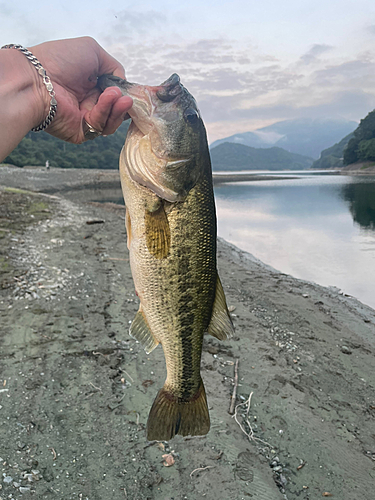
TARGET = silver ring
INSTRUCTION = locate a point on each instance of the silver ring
(91, 132)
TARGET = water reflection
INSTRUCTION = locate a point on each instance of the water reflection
(361, 199)
(304, 227)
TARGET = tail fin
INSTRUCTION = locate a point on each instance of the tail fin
(169, 416)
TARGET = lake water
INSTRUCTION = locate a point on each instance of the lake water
(318, 227)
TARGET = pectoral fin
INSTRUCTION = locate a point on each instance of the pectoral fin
(158, 234)
(221, 325)
(128, 228)
(140, 330)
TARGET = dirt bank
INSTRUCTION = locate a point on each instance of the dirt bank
(359, 168)
(75, 390)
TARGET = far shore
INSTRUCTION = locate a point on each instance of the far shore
(224, 178)
(109, 178)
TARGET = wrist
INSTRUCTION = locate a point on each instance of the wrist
(26, 85)
(41, 97)
(45, 87)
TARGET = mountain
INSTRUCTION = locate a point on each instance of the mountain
(36, 148)
(229, 156)
(302, 136)
(361, 146)
(333, 157)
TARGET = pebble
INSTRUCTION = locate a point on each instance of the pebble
(7, 479)
(274, 462)
(345, 349)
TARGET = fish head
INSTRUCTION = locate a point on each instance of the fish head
(166, 137)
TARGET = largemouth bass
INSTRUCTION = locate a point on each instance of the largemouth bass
(171, 229)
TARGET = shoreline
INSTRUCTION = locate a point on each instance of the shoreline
(39, 178)
(226, 178)
(78, 389)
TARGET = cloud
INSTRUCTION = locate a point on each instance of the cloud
(239, 88)
(130, 25)
(347, 73)
(5, 10)
(313, 54)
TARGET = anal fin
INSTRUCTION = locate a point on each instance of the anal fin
(221, 325)
(140, 330)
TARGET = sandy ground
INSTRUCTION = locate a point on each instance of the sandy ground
(75, 389)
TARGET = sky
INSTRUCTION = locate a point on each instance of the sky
(249, 64)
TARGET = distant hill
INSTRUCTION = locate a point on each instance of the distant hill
(304, 136)
(228, 156)
(36, 148)
(361, 147)
(333, 157)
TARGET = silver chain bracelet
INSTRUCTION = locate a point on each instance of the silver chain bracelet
(46, 80)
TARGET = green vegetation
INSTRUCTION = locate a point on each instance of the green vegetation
(36, 148)
(230, 156)
(333, 157)
(361, 146)
(361, 203)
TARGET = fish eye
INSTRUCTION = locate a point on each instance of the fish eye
(191, 115)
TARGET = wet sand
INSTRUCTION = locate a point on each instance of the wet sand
(75, 389)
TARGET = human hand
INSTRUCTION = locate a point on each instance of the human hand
(73, 66)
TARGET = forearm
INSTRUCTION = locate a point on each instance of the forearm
(23, 101)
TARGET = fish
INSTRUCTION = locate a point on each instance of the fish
(170, 220)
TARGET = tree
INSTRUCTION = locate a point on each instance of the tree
(36, 149)
(366, 150)
(350, 152)
(357, 149)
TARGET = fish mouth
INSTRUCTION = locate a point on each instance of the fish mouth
(170, 89)
(152, 105)
(167, 91)
(148, 99)
(149, 102)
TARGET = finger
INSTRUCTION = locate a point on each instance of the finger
(118, 114)
(98, 115)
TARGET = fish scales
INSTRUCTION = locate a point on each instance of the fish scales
(188, 279)
(166, 178)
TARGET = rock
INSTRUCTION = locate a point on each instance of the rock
(212, 349)
(345, 349)
(24, 489)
